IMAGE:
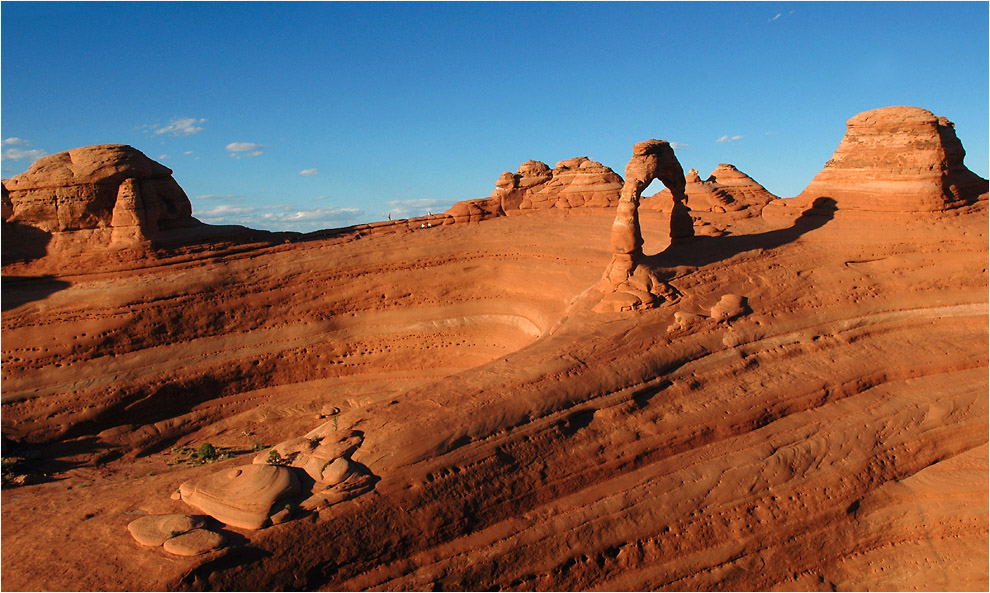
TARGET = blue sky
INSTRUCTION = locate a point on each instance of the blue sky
(300, 116)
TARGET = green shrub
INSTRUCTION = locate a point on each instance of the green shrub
(206, 452)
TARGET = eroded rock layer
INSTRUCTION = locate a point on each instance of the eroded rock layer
(902, 159)
(573, 183)
(109, 195)
(727, 189)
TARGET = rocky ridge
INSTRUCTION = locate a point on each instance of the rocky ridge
(572, 183)
(727, 189)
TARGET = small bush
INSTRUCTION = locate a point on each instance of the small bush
(275, 458)
(206, 452)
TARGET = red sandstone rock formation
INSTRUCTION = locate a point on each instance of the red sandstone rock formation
(898, 159)
(727, 189)
(108, 195)
(626, 284)
(815, 418)
(573, 183)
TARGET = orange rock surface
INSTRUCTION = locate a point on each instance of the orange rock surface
(574, 183)
(902, 159)
(110, 195)
(806, 409)
(727, 189)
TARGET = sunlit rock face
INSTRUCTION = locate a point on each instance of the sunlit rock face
(898, 159)
(109, 195)
(573, 183)
(727, 189)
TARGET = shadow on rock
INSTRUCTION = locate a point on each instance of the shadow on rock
(21, 290)
(23, 243)
(702, 251)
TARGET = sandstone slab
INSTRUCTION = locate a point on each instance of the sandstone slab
(242, 496)
(154, 530)
(194, 543)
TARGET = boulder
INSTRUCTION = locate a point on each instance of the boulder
(902, 159)
(728, 307)
(242, 496)
(317, 451)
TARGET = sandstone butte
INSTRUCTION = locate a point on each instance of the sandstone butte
(547, 389)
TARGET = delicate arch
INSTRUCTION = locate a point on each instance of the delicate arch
(652, 159)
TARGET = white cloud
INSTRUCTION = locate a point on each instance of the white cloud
(244, 146)
(728, 138)
(219, 197)
(163, 157)
(286, 214)
(419, 207)
(778, 16)
(239, 150)
(223, 211)
(678, 145)
(19, 154)
(181, 126)
(188, 152)
(309, 172)
(282, 217)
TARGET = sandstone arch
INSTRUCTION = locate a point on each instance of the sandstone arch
(652, 159)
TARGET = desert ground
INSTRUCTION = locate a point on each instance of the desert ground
(796, 399)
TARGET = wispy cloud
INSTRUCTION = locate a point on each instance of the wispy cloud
(727, 138)
(217, 214)
(13, 153)
(778, 16)
(180, 126)
(238, 150)
(679, 145)
(418, 207)
(309, 172)
(281, 217)
(218, 197)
